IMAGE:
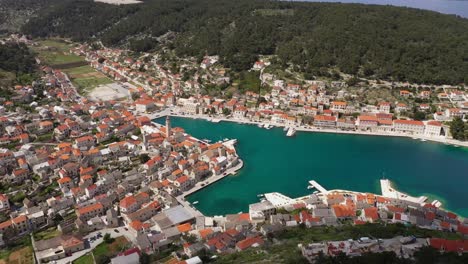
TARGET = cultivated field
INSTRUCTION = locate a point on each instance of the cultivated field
(55, 53)
(86, 78)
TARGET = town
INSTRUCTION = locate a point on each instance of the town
(91, 177)
(311, 106)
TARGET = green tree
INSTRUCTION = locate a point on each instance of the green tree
(458, 129)
(107, 238)
(144, 158)
(145, 258)
(226, 111)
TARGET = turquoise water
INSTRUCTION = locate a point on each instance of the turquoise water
(276, 163)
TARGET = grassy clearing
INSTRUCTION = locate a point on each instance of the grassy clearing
(56, 51)
(112, 249)
(18, 252)
(85, 259)
(79, 70)
(46, 234)
(22, 256)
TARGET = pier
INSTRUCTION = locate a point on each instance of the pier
(389, 192)
(318, 187)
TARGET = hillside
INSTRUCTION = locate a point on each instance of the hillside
(15, 13)
(391, 43)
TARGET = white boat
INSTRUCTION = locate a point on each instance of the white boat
(267, 126)
(196, 202)
(310, 187)
(291, 132)
(423, 140)
(260, 125)
(206, 140)
(260, 195)
(285, 128)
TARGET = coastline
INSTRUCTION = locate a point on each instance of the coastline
(321, 130)
(243, 121)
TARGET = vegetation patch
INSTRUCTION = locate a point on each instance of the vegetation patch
(56, 52)
(105, 251)
(85, 259)
(50, 232)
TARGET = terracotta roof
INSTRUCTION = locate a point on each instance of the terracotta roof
(64, 180)
(248, 242)
(127, 202)
(89, 208)
(205, 232)
(183, 228)
(371, 213)
(408, 122)
(343, 210)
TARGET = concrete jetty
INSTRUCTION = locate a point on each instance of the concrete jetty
(389, 192)
(317, 186)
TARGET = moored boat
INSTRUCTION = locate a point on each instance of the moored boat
(291, 132)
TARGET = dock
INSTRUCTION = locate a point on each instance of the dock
(318, 187)
(278, 200)
(389, 192)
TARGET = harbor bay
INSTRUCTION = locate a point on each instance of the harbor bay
(276, 163)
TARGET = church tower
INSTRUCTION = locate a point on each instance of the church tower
(168, 126)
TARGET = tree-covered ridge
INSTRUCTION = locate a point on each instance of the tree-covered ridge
(382, 42)
(16, 58)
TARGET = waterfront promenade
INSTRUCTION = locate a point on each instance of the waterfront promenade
(321, 130)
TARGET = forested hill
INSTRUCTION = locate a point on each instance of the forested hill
(16, 58)
(373, 41)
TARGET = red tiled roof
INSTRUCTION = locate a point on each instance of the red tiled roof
(248, 242)
(89, 208)
(184, 227)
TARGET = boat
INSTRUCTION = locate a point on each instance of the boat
(226, 139)
(260, 195)
(196, 202)
(206, 140)
(310, 187)
(456, 146)
(260, 125)
(267, 126)
(423, 140)
(285, 128)
(291, 132)
(315, 192)
(262, 200)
